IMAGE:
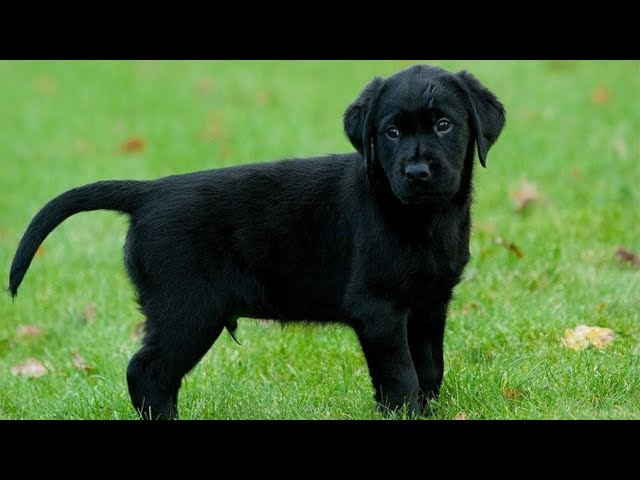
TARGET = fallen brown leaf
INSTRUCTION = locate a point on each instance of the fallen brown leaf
(28, 331)
(40, 251)
(601, 306)
(627, 256)
(471, 307)
(460, 416)
(512, 247)
(525, 195)
(80, 362)
(132, 145)
(583, 336)
(89, 314)
(29, 368)
(600, 95)
(513, 394)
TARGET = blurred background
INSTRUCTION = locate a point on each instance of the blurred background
(559, 199)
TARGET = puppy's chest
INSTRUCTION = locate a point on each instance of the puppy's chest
(420, 269)
(433, 265)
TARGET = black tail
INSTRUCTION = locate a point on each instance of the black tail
(122, 196)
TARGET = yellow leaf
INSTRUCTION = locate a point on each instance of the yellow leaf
(89, 314)
(525, 195)
(28, 331)
(627, 256)
(584, 336)
(600, 95)
(460, 416)
(513, 394)
(29, 368)
(132, 144)
(80, 363)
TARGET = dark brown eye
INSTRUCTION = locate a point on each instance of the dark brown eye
(392, 132)
(443, 125)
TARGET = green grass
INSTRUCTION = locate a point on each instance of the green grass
(61, 124)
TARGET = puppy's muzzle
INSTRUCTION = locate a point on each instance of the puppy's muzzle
(417, 173)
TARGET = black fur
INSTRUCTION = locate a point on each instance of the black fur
(376, 239)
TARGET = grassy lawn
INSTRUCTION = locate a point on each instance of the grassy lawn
(573, 133)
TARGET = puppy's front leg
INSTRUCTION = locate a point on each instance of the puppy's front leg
(426, 335)
(383, 335)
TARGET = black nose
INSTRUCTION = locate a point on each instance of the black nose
(417, 172)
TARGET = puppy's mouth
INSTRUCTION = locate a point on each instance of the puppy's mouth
(423, 198)
(410, 195)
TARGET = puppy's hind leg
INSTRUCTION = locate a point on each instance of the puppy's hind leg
(180, 329)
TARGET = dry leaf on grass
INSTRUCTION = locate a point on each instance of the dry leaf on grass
(460, 416)
(491, 231)
(471, 307)
(513, 394)
(28, 331)
(525, 195)
(583, 336)
(29, 368)
(80, 363)
(512, 247)
(627, 256)
(600, 95)
(89, 314)
(40, 251)
(133, 144)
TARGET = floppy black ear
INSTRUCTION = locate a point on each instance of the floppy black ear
(357, 120)
(487, 113)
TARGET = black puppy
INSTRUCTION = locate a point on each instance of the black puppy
(376, 239)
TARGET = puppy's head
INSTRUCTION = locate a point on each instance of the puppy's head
(417, 128)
